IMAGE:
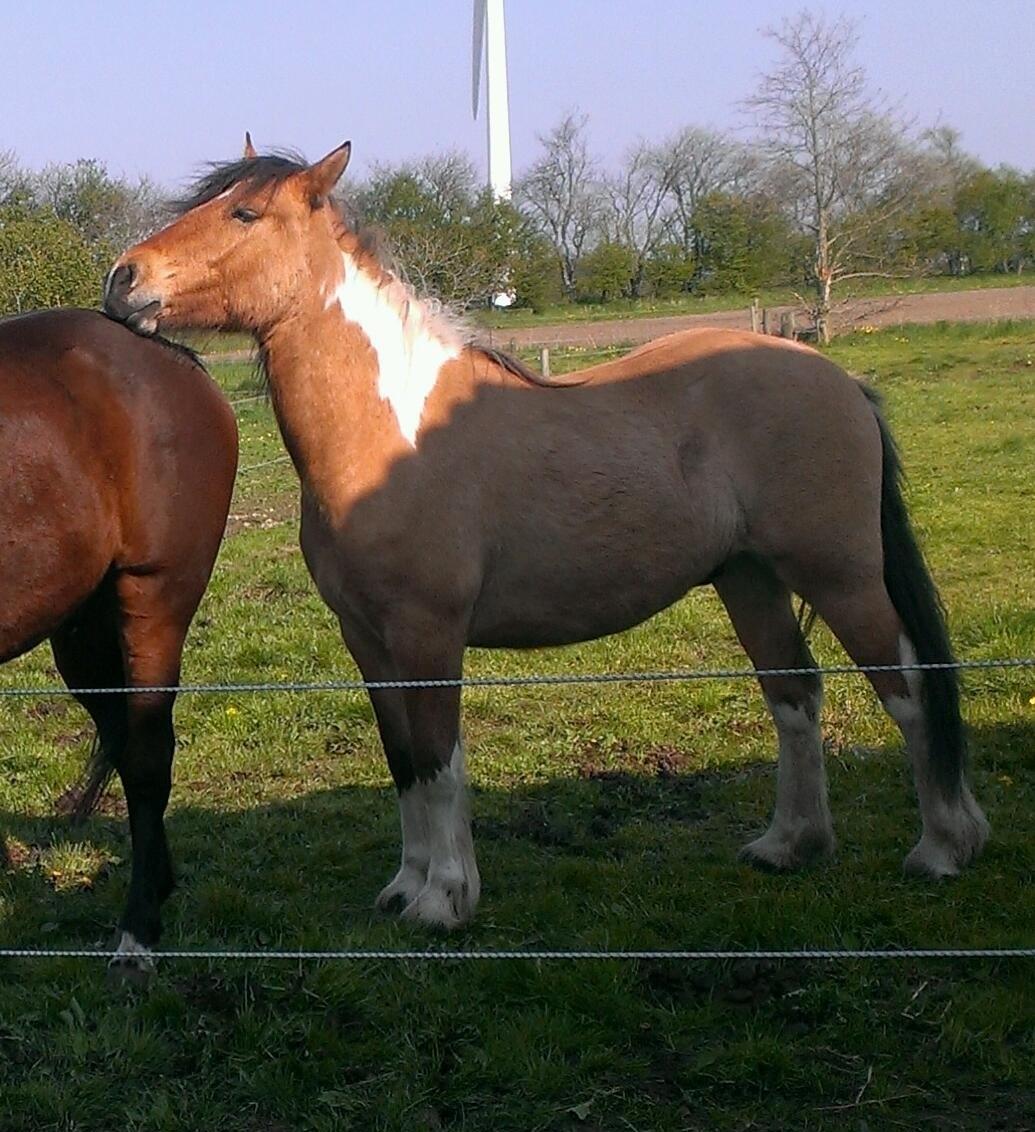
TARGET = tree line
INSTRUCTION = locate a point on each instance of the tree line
(832, 184)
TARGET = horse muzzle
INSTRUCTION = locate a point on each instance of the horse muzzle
(124, 301)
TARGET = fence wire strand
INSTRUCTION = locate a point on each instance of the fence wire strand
(602, 955)
(535, 680)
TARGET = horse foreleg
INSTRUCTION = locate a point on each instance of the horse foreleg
(439, 791)
(759, 606)
(389, 706)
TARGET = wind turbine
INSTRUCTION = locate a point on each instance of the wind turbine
(490, 40)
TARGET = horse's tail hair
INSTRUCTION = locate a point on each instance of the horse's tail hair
(919, 606)
(83, 797)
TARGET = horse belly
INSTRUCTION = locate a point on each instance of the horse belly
(590, 589)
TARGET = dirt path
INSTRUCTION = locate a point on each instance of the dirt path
(949, 306)
(981, 305)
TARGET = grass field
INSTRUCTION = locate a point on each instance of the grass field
(603, 818)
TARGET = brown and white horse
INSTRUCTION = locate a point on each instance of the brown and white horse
(448, 499)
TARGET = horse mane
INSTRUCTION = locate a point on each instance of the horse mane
(519, 369)
(273, 169)
(256, 172)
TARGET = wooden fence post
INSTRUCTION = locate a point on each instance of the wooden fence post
(544, 361)
(756, 322)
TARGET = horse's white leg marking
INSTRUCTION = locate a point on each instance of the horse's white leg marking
(451, 893)
(132, 957)
(416, 852)
(954, 830)
(801, 827)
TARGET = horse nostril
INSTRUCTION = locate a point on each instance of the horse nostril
(122, 279)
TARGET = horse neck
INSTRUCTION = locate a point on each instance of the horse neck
(351, 371)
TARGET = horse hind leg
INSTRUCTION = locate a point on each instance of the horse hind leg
(88, 654)
(759, 606)
(154, 616)
(924, 705)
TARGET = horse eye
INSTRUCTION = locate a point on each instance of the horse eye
(245, 215)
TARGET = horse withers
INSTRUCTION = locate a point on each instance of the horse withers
(120, 455)
(450, 499)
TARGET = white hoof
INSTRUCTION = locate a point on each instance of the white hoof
(782, 850)
(402, 891)
(950, 843)
(132, 961)
(442, 904)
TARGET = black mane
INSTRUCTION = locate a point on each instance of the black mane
(255, 172)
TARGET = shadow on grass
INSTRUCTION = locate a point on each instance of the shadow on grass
(636, 850)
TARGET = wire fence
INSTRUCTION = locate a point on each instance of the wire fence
(533, 680)
(446, 955)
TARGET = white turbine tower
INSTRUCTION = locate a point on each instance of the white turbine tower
(490, 40)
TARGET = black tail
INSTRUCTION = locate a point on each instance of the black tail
(81, 799)
(918, 604)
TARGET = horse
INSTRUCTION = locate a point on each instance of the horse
(452, 497)
(121, 455)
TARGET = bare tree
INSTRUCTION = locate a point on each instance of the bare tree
(637, 199)
(843, 153)
(697, 163)
(562, 195)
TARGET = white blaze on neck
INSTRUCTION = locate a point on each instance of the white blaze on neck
(410, 352)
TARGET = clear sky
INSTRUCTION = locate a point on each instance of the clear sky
(158, 88)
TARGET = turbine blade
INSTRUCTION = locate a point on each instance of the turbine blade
(478, 48)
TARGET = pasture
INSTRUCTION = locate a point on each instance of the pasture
(604, 817)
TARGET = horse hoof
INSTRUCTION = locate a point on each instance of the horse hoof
(440, 906)
(400, 892)
(132, 963)
(957, 837)
(131, 970)
(782, 852)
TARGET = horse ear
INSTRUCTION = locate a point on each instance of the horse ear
(325, 173)
(249, 149)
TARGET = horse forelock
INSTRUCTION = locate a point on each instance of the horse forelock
(270, 169)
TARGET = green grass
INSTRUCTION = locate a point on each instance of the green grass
(604, 818)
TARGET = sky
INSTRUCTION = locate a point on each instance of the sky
(159, 88)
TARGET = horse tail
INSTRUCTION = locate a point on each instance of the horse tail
(84, 796)
(919, 606)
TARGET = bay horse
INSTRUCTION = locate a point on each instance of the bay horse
(450, 499)
(120, 456)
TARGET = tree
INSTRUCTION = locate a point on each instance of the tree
(636, 211)
(698, 163)
(44, 262)
(842, 151)
(606, 271)
(561, 194)
(746, 242)
(108, 212)
(449, 235)
(995, 210)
